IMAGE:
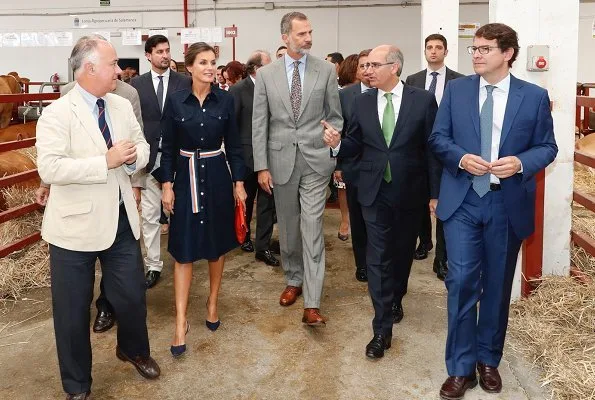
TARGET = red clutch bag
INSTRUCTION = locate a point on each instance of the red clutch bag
(240, 222)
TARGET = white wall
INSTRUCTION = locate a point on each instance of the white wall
(354, 26)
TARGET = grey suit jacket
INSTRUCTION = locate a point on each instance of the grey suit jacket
(276, 135)
(419, 78)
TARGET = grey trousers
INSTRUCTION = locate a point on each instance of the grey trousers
(300, 206)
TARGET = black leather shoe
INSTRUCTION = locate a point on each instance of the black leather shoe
(421, 253)
(103, 321)
(247, 246)
(151, 278)
(361, 274)
(397, 313)
(275, 247)
(79, 396)
(376, 347)
(267, 257)
(441, 268)
(146, 366)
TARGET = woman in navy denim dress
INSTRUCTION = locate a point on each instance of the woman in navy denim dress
(198, 189)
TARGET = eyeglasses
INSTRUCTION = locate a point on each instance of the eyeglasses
(374, 66)
(482, 49)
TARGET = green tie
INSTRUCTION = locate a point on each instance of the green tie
(388, 127)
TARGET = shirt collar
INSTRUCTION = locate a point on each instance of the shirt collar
(397, 91)
(253, 79)
(289, 61)
(154, 74)
(215, 93)
(363, 87)
(90, 99)
(503, 85)
(441, 71)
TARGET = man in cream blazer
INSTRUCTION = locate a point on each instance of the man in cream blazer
(88, 144)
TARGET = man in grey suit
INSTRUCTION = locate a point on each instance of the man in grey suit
(291, 97)
(433, 79)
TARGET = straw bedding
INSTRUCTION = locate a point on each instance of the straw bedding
(555, 326)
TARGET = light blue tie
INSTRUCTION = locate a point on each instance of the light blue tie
(481, 184)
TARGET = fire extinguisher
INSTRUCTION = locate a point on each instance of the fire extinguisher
(55, 78)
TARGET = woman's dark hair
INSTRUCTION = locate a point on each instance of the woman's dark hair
(348, 70)
(194, 50)
(235, 71)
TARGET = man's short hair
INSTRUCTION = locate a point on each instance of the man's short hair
(255, 61)
(288, 19)
(364, 53)
(437, 36)
(153, 41)
(219, 67)
(281, 48)
(85, 49)
(505, 36)
(336, 58)
(395, 55)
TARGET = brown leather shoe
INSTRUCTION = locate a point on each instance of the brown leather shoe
(145, 366)
(79, 396)
(454, 387)
(489, 378)
(290, 295)
(312, 317)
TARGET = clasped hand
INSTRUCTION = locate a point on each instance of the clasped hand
(122, 152)
(501, 168)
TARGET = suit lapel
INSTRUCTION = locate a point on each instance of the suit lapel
(81, 110)
(113, 111)
(310, 79)
(370, 107)
(151, 89)
(474, 103)
(404, 112)
(515, 98)
(280, 78)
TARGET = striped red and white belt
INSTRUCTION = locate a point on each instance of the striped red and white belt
(193, 157)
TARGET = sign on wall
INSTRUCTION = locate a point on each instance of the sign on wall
(132, 37)
(153, 32)
(119, 20)
(467, 29)
(231, 31)
(104, 3)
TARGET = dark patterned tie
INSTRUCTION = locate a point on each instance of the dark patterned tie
(481, 184)
(432, 88)
(103, 124)
(296, 91)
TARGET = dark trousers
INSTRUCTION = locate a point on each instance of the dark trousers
(265, 212)
(392, 232)
(425, 234)
(483, 251)
(359, 237)
(73, 276)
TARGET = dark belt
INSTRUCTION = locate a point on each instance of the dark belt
(494, 187)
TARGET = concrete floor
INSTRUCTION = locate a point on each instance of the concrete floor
(261, 350)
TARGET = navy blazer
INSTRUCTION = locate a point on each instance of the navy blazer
(527, 133)
(152, 116)
(410, 159)
(349, 166)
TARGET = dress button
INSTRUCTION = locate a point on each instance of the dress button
(201, 222)
(202, 166)
(182, 119)
(202, 138)
(203, 110)
(202, 180)
(202, 193)
(201, 124)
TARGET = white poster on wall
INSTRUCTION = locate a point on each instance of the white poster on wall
(132, 37)
(153, 32)
(205, 35)
(29, 39)
(12, 39)
(62, 38)
(190, 35)
(593, 29)
(217, 34)
(115, 20)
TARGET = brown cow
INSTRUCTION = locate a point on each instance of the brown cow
(18, 132)
(586, 144)
(9, 84)
(13, 162)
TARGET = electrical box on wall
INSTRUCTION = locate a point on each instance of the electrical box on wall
(538, 58)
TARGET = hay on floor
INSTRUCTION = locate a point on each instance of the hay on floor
(29, 267)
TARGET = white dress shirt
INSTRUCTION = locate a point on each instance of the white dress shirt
(500, 95)
(155, 77)
(289, 66)
(397, 92)
(440, 82)
(364, 87)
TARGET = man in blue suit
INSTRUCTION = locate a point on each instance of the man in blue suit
(493, 133)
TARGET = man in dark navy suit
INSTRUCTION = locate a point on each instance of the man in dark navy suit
(493, 133)
(433, 79)
(389, 127)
